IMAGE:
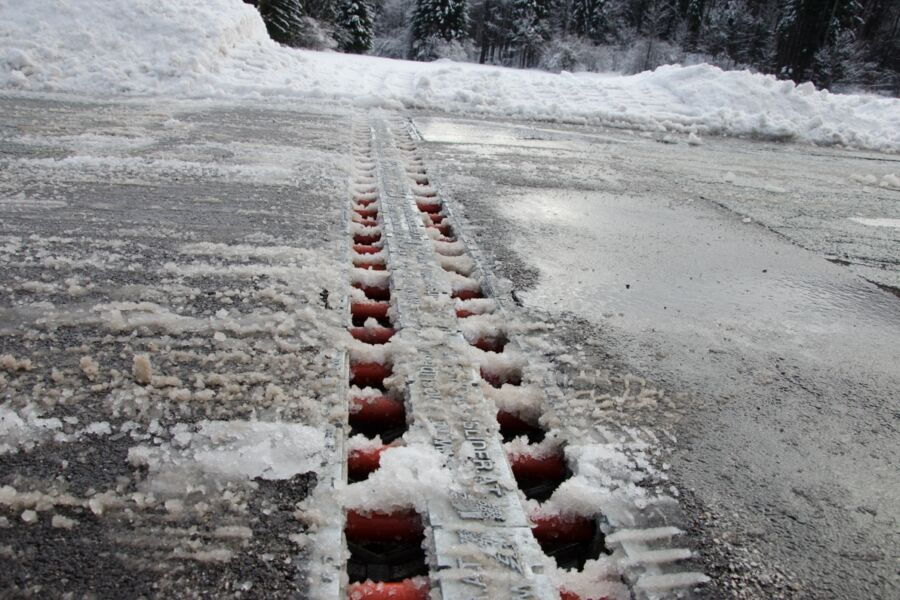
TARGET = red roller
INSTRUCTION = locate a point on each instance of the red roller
(556, 528)
(497, 380)
(365, 201)
(372, 335)
(366, 212)
(490, 344)
(565, 594)
(436, 218)
(550, 468)
(364, 249)
(513, 423)
(374, 310)
(366, 239)
(365, 374)
(462, 313)
(407, 589)
(444, 228)
(374, 293)
(467, 294)
(362, 463)
(401, 526)
(428, 207)
(381, 411)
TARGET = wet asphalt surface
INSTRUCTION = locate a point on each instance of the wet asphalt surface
(732, 277)
(112, 221)
(727, 284)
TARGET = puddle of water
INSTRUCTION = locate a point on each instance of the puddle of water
(496, 134)
(686, 270)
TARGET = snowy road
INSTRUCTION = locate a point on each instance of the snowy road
(168, 338)
(166, 345)
(709, 271)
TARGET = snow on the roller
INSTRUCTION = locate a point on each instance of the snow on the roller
(459, 264)
(407, 477)
(505, 365)
(378, 279)
(520, 446)
(359, 228)
(477, 306)
(219, 48)
(449, 248)
(478, 326)
(360, 442)
(522, 400)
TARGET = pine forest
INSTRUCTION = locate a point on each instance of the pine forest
(841, 45)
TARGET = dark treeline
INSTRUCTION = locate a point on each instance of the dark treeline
(836, 44)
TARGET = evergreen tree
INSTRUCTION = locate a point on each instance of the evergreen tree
(657, 19)
(693, 20)
(283, 19)
(831, 42)
(733, 30)
(530, 28)
(880, 35)
(806, 26)
(324, 11)
(434, 21)
(355, 21)
(588, 19)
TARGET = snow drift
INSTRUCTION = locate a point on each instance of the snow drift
(219, 48)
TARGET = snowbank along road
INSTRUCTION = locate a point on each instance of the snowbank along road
(220, 49)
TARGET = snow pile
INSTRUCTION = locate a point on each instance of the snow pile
(232, 450)
(94, 46)
(219, 48)
(408, 476)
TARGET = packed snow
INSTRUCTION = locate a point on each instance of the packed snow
(230, 449)
(220, 48)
